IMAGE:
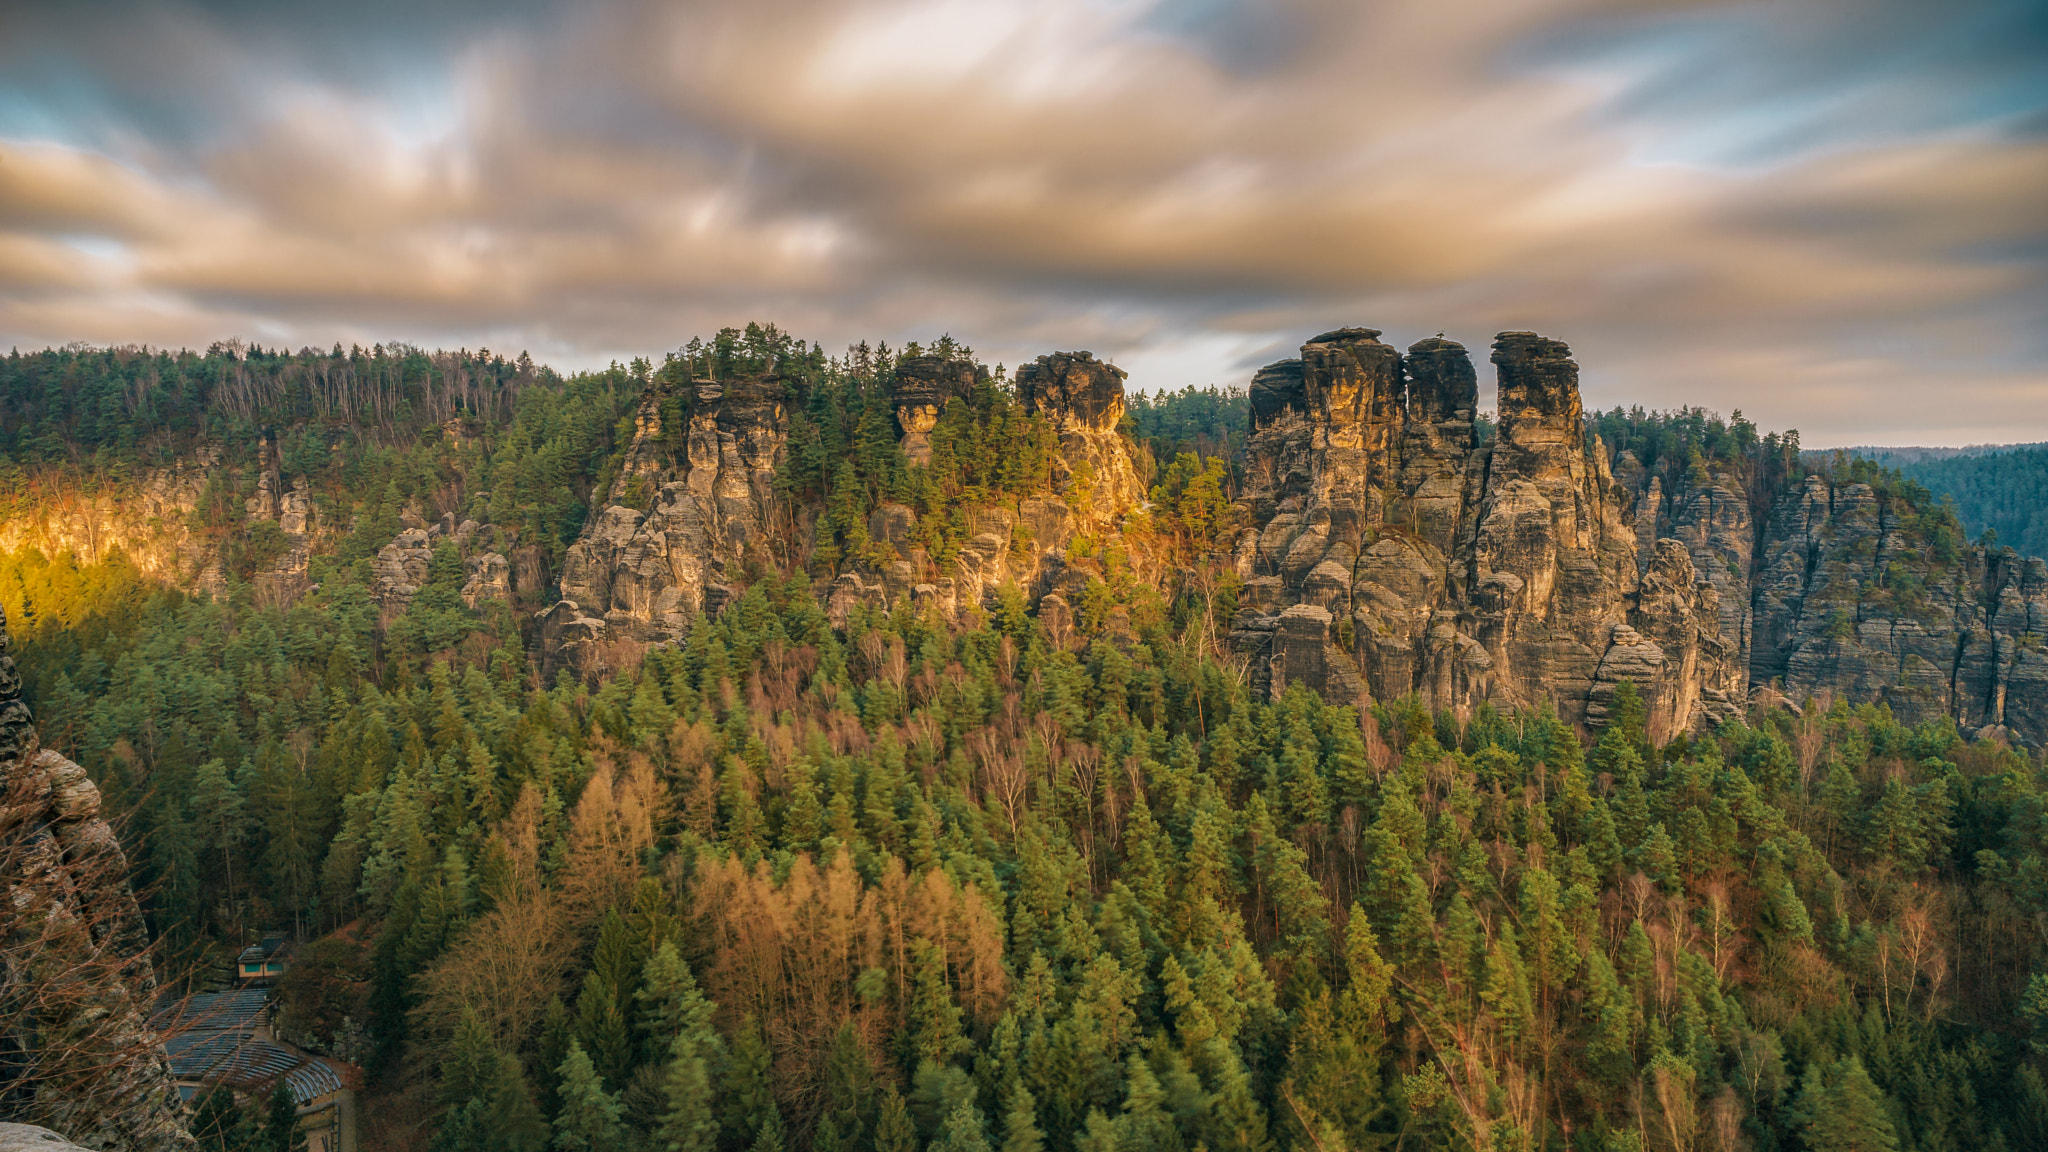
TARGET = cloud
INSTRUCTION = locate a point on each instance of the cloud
(1717, 204)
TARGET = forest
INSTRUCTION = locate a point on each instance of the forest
(2002, 493)
(911, 885)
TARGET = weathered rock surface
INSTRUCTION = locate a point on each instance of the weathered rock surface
(1506, 572)
(1527, 570)
(1845, 605)
(1083, 399)
(922, 386)
(641, 573)
(489, 577)
(33, 1138)
(400, 568)
(148, 519)
(75, 981)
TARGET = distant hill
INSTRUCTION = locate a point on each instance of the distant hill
(1899, 457)
(2000, 487)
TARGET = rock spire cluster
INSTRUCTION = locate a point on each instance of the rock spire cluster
(1385, 547)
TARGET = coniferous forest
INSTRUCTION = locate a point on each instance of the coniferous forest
(915, 885)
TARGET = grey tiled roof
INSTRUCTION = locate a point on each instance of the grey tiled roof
(214, 1011)
(211, 1038)
(246, 1062)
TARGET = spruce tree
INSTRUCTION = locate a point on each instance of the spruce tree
(1839, 1109)
(589, 1119)
(1020, 1122)
(894, 1130)
(280, 1131)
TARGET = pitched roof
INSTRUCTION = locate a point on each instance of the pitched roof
(246, 1062)
(240, 1009)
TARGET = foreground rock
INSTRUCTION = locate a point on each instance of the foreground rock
(75, 981)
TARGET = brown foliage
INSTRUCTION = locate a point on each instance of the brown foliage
(792, 954)
(611, 826)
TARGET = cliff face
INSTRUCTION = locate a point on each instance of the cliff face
(703, 501)
(76, 986)
(147, 518)
(1846, 604)
(1387, 552)
(1389, 549)
(639, 574)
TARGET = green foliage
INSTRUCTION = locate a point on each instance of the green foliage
(900, 884)
(2004, 493)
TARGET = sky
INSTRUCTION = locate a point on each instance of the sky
(1830, 214)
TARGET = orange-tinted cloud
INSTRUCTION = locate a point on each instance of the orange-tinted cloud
(1142, 178)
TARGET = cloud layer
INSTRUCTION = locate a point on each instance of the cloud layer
(1831, 215)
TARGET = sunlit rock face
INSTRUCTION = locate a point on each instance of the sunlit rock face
(1526, 571)
(1083, 399)
(149, 519)
(1455, 571)
(691, 505)
(920, 390)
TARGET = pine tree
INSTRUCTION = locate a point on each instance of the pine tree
(1020, 1122)
(589, 1118)
(894, 1131)
(934, 1014)
(1839, 1110)
(689, 1124)
(849, 1085)
(746, 1097)
(218, 1122)
(671, 1005)
(963, 1131)
(280, 1131)
(601, 1028)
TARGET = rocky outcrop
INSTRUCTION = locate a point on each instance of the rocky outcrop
(1847, 603)
(921, 388)
(148, 519)
(488, 577)
(1459, 572)
(690, 507)
(1527, 570)
(1083, 399)
(33, 1138)
(645, 566)
(400, 568)
(75, 980)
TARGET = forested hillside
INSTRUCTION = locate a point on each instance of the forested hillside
(2004, 493)
(903, 884)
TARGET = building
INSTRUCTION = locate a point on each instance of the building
(263, 963)
(225, 1039)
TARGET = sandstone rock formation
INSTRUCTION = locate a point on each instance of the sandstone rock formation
(1844, 605)
(76, 985)
(921, 388)
(1456, 571)
(149, 519)
(641, 571)
(33, 1138)
(1384, 550)
(703, 506)
(399, 569)
(1527, 570)
(1083, 399)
